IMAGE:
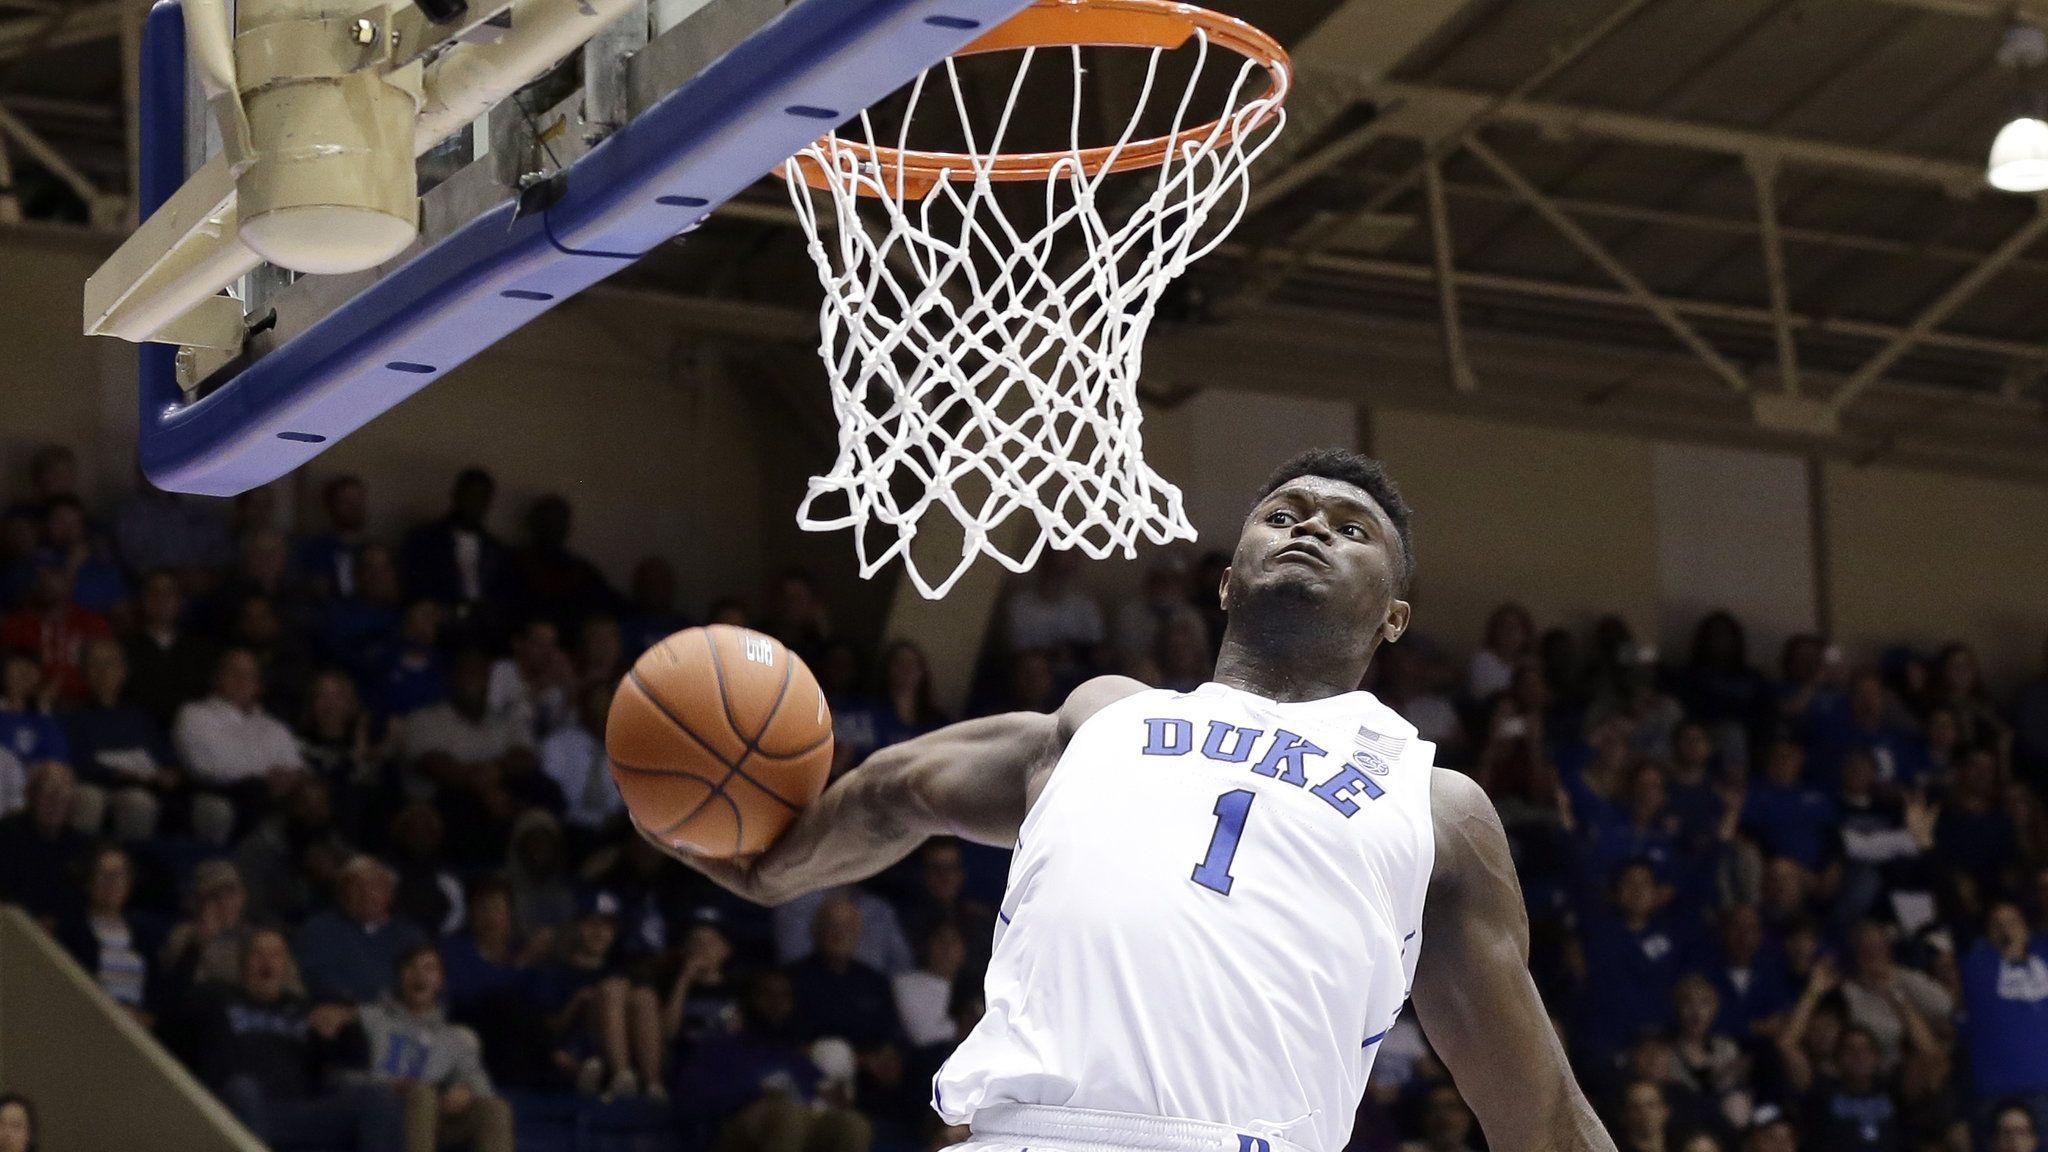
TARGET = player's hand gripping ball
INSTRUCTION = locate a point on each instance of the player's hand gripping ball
(718, 738)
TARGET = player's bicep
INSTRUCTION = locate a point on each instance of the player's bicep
(1473, 993)
(973, 779)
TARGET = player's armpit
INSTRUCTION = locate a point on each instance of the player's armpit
(1473, 993)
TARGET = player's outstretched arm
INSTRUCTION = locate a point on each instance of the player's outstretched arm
(975, 779)
(1473, 993)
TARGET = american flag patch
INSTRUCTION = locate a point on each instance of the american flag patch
(1389, 747)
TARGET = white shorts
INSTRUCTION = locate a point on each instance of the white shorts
(1022, 1127)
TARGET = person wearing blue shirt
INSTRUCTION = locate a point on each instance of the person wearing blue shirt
(1633, 958)
(2005, 1012)
(1861, 723)
(1750, 976)
(1785, 815)
(350, 952)
(25, 729)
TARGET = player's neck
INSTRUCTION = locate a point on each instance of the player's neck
(1302, 667)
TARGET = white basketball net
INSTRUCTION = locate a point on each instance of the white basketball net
(981, 370)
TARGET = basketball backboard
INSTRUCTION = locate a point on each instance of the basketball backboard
(663, 112)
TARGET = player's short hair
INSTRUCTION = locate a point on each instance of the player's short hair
(1361, 472)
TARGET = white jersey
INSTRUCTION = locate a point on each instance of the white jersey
(1213, 914)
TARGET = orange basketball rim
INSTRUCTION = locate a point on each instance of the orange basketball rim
(1143, 24)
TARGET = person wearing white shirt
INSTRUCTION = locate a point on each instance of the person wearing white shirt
(463, 727)
(925, 993)
(574, 758)
(530, 687)
(234, 750)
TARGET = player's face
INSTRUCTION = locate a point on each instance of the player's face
(1324, 539)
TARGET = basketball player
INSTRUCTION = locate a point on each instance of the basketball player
(1221, 899)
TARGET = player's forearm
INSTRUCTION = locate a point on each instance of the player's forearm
(850, 833)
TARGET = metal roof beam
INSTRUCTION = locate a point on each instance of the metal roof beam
(86, 25)
(1425, 106)
(1940, 309)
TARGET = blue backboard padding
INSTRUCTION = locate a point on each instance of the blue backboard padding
(817, 64)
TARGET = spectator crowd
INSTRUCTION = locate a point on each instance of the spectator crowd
(329, 813)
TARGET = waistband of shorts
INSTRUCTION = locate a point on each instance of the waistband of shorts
(1088, 1130)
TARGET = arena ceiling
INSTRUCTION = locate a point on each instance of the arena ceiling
(1743, 221)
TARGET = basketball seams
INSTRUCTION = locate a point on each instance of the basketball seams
(732, 767)
(724, 697)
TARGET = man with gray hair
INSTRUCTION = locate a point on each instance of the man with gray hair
(351, 951)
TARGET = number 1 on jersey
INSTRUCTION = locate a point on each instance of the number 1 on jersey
(1213, 872)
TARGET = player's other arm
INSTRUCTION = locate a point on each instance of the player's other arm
(975, 779)
(1473, 993)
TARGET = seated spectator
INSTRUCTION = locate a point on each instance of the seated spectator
(701, 1006)
(1633, 958)
(239, 756)
(1719, 689)
(155, 530)
(410, 675)
(924, 994)
(1509, 633)
(1446, 1123)
(350, 952)
(456, 561)
(277, 1060)
(1788, 817)
(96, 581)
(1975, 843)
(106, 939)
(573, 756)
(360, 626)
(1809, 685)
(27, 730)
(1645, 1121)
(530, 688)
(1883, 841)
(326, 562)
(1183, 655)
(1853, 1107)
(486, 966)
(283, 655)
(600, 658)
(883, 945)
(1403, 686)
(2005, 1010)
(52, 472)
(1709, 1063)
(537, 869)
(652, 615)
(553, 581)
(1749, 981)
(338, 742)
(464, 727)
(18, 1124)
(54, 629)
(292, 859)
(429, 895)
(1887, 999)
(1863, 723)
(436, 1067)
(760, 1086)
(118, 748)
(1163, 599)
(940, 897)
(1053, 613)
(1958, 686)
(837, 994)
(797, 616)
(39, 847)
(2014, 1128)
(168, 665)
(608, 1032)
(205, 950)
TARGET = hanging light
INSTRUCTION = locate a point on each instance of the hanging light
(2019, 155)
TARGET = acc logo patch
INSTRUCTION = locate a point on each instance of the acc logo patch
(1371, 763)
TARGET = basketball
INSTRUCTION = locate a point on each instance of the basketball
(718, 737)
